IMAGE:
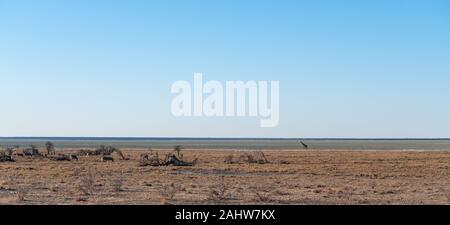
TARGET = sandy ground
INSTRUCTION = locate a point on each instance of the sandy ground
(290, 177)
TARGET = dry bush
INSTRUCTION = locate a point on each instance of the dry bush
(195, 161)
(263, 194)
(6, 155)
(168, 192)
(87, 182)
(20, 191)
(229, 159)
(10, 182)
(117, 183)
(254, 157)
(10, 151)
(108, 150)
(20, 194)
(247, 158)
(262, 159)
(219, 193)
(446, 193)
(151, 159)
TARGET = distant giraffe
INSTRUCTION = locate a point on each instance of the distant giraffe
(305, 146)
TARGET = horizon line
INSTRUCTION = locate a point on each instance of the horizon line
(223, 138)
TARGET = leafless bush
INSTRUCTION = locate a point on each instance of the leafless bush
(254, 157)
(20, 194)
(9, 151)
(87, 182)
(86, 152)
(168, 192)
(229, 159)
(248, 158)
(219, 193)
(5, 157)
(263, 194)
(32, 151)
(151, 159)
(117, 184)
(446, 193)
(20, 191)
(195, 161)
(262, 158)
(108, 150)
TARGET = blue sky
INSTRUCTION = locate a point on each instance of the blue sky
(104, 68)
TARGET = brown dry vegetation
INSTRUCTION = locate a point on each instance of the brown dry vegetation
(225, 177)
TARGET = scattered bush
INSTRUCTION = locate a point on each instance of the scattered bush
(32, 151)
(108, 150)
(117, 184)
(87, 182)
(151, 159)
(263, 194)
(229, 159)
(86, 152)
(20, 194)
(5, 157)
(10, 151)
(220, 193)
(254, 157)
(168, 192)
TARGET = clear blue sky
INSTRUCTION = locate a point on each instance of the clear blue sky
(377, 68)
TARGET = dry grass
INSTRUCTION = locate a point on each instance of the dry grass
(288, 177)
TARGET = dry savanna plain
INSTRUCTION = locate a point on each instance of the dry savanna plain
(231, 177)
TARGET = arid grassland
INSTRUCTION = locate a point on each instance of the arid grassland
(232, 177)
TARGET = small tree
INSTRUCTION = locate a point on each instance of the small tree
(50, 148)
